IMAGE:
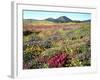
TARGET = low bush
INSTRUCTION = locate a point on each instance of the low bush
(58, 60)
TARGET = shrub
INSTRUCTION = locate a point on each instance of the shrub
(27, 33)
(75, 62)
(58, 60)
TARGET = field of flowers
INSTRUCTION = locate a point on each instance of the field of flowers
(55, 46)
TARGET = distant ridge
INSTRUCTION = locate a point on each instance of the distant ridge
(61, 19)
(51, 19)
(87, 20)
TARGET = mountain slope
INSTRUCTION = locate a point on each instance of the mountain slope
(51, 19)
(59, 19)
(63, 19)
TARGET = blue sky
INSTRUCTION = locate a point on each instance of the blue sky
(40, 15)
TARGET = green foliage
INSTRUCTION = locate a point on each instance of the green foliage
(74, 63)
(74, 42)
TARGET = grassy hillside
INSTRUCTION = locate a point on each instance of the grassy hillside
(67, 45)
